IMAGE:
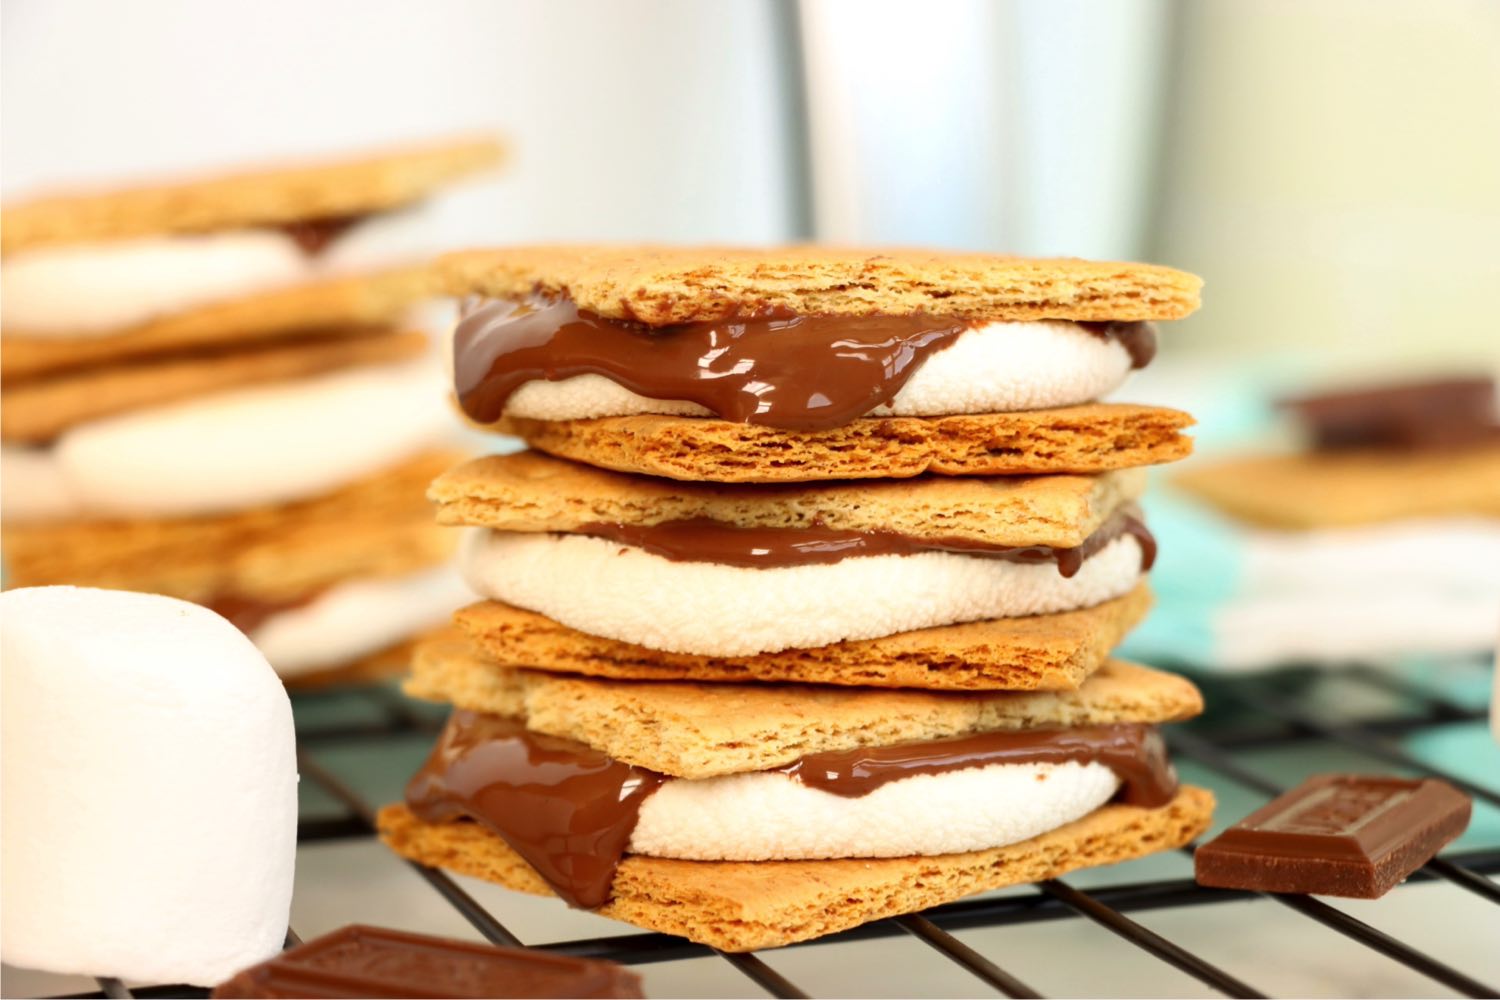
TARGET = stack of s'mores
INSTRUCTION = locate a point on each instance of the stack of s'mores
(799, 613)
(210, 392)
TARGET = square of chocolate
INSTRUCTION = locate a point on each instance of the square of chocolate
(360, 961)
(1336, 835)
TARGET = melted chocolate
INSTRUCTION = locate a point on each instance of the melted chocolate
(360, 961)
(566, 808)
(700, 539)
(1447, 413)
(782, 370)
(1138, 338)
(314, 236)
(569, 810)
(1137, 755)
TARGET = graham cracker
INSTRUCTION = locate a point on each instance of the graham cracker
(351, 185)
(1092, 438)
(381, 665)
(530, 491)
(1343, 489)
(39, 410)
(1035, 653)
(746, 905)
(328, 308)
(378, 526)
(692, 730)
(662, 285)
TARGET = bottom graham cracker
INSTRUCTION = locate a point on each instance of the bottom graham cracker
(747, 905)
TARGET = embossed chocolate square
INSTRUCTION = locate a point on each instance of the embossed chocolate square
(360, 961)
(1336, 835)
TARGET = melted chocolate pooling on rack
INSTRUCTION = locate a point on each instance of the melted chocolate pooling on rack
(779, 369)
(701, 539)
(569, 810)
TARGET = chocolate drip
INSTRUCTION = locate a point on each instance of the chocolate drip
(569, 810)
(701, 539)
(314, 236)
(1137, 755)
(1138, 338)
(566, 808)
(778, 369)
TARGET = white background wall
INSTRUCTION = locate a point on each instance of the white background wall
(639, 119)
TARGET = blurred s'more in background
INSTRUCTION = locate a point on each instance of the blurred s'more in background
(212, 390)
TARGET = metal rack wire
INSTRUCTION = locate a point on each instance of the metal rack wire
(1256, 712)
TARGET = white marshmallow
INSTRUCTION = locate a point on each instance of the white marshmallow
(625, 593)
(357, 618)
(766, 816)
(150, 778)
(990, 369)
(100, 288)
(97, 289)
(263, 445)
(1370, 593)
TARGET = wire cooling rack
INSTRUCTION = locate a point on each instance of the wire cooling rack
(1299, 714)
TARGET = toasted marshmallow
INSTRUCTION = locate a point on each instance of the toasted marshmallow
(358, 618)
(768, 816)
(626, 593)
(996, 368)
(150, 777)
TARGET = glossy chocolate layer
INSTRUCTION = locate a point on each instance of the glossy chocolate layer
(360, 961)
(1137, 755)
(701, 539)
(1336, 835)
(566, 808)
(570, 810)
(777, 369)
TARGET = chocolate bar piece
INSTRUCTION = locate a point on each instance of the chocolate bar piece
(1438, 414)
(359, 961)
(1336, 835)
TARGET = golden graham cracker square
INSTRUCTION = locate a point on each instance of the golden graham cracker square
(1086, 439)
(38, 410)
(1338, 490)
(531, 491)
(691, 730)
(658, 285)
(746, 905)
(1053, 652)
(376, 526)
(361, 184)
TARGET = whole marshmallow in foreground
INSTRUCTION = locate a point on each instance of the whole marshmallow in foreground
(150, 789)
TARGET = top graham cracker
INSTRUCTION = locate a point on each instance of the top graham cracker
(659, 286)
(271, 196)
